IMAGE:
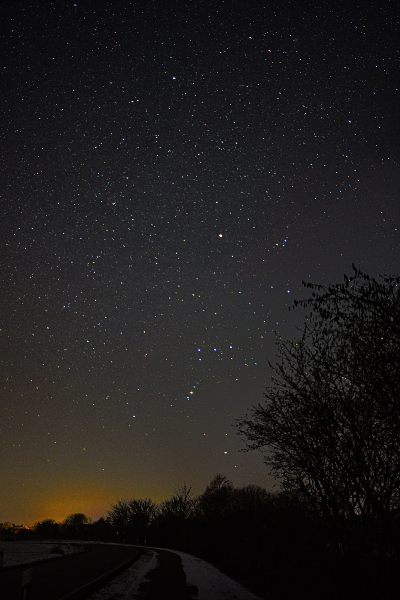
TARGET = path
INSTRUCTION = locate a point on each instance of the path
(171, 575)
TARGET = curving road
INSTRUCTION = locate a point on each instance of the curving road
(62, 579)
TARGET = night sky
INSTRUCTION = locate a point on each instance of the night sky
(170, 173)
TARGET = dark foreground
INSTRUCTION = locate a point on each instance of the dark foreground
(65, 578)
(168, 580)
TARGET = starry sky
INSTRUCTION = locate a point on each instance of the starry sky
(170, 174)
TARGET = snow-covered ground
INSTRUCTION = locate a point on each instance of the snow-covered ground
(126, 585)
(21, 553)
(210, 582)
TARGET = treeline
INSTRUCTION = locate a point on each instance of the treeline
(256, 537)
(75, 526)
(271, 542)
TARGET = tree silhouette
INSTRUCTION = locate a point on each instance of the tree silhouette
(217, 498)
(181, 504)
(119, 515)
(48, 528)
(330, 424)
(142, 511)
(174, 514)
(73, 525)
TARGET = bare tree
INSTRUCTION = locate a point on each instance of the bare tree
(181, 504)
(175, 513)
(217, 498)
(142, 512)
(48, 528)
(330, 424)
(73, 525)
(218, 482)
(119, 515)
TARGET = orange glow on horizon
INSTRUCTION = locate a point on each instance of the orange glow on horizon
(92, 503)
(58, 506)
